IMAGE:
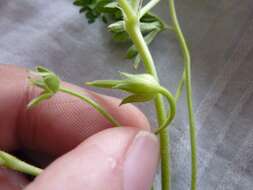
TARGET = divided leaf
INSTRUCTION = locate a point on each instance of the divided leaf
(109, 11)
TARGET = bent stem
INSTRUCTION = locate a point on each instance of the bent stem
(187, 73)
(171, 112)
(91, 102)
(11, 162)
(132, 28)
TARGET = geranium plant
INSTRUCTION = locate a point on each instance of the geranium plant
(128, 20)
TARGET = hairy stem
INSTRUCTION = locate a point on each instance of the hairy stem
(187, 64)
(132, 27)
(14, 163)
(95, 105)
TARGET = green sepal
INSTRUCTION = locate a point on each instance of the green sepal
(38, 83)
(103, 83)
(135, 98)
(42, 69)
(36, 101)
(143, 87)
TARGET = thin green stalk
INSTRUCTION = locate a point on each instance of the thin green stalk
(138, 40)
(180, 87)
(95, 105)
(187, 64)
(14, 163)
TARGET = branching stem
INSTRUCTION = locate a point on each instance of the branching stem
(132, 27)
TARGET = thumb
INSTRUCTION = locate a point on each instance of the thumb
(115, 159)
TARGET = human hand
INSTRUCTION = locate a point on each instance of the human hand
(123, 158)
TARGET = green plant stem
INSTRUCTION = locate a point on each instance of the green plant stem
(131, 24)
(14, 163)
(142, 48)
(187, 65)
(95, 105)
(171, 112)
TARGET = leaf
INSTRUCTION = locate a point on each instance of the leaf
(120, 37)
(132, 51)
(147, 27)
(109, 11)
(112, 5)
(116, 27)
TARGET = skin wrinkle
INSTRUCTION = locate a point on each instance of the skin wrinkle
(25, 115)
(18, 117)
(17, 98)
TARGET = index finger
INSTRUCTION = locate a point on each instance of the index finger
(58, 124)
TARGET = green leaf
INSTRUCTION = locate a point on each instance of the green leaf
(110, 12)
(132, 51)
(147, 27)
(120, 37)
(112, 5)
(116, 27)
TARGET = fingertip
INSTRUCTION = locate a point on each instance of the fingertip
(106, 160)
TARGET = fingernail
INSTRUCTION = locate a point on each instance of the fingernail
(141, 162)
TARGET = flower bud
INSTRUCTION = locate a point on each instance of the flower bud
(143, 87)
(138, 84)
(47, 80)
